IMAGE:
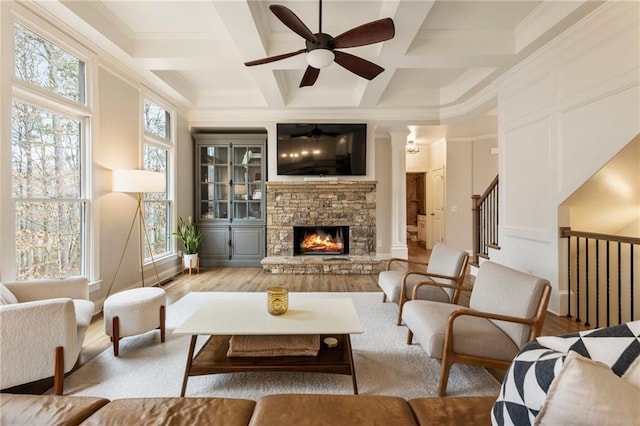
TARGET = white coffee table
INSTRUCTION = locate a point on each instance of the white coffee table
(331, 317)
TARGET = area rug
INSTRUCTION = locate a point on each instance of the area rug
(384, 363)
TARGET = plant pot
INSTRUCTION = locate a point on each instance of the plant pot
(190, 261)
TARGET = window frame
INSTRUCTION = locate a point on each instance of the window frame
(169, 145)
(14, 89)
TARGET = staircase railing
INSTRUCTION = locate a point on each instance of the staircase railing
(602, 277)
(485, 222)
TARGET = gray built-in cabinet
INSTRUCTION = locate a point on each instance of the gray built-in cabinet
(230, 198)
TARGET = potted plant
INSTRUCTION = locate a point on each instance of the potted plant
(191, 238)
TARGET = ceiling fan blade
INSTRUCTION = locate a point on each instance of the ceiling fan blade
(292, 21)
(310, 76)
(274, 58)
(373, 32)
(356, 65)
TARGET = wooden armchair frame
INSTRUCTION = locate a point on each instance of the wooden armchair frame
(449, 357)
(459, 279)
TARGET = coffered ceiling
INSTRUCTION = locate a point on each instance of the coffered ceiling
(440, 68)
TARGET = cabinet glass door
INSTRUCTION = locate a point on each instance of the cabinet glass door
(214, 178)
(247, 182)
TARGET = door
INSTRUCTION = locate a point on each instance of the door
(435, 225)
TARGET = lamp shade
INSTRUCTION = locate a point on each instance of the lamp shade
(240, 189)
(138, 181)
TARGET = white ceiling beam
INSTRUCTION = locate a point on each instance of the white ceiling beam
(463, 42)
(296, 63)
(184, 47)
(464, 84)
(176, 81)
(100, 19)
(542, 19)
(249, 35)
(408, 15)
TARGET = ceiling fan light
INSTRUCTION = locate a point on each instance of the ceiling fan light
(320, 58)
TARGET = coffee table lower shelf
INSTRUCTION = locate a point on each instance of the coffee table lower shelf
(212, 359)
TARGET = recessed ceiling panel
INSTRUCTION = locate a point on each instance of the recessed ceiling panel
(338, 16)
(165, 17)
(477, 15)
(223, 80)
(424, 78)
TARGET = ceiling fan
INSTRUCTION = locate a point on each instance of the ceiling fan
(321, 48)
(315, 133)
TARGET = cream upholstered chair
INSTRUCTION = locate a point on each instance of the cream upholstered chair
(446, 266)
(42, 327)
(506, 310)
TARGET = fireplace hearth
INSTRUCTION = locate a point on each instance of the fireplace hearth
(320, 240)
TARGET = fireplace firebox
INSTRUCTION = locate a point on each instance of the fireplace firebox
(320, 240)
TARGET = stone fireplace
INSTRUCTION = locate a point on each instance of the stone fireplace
(347, 208)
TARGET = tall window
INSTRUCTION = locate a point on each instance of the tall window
(156, 157)
(47, 158)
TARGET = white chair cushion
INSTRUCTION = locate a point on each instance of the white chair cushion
(428, 322)
(390, 281)
(84, 312)
(445, 260)
(502, 290)
(6, 297)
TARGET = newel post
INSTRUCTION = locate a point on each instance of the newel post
(475, 209)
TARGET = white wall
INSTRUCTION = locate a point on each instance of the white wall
(563, 114)
(485, 163)
(184, 191)
(118, 145)
(383, 196)
(418, 162)
(457, 208)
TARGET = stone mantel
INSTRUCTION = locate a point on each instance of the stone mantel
(321, 203)
(323, 184)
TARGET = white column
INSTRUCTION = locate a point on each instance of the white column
(399, 194)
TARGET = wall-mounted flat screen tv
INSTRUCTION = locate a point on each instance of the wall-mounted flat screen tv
(322, 149)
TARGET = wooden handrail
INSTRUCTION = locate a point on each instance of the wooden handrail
(486, 193)
(566, 232)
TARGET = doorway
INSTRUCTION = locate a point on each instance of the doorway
(416, 204)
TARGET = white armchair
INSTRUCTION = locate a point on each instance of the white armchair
(507, 309)
(447, 267)
(42, 329)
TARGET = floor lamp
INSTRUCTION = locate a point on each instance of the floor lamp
(137, 182)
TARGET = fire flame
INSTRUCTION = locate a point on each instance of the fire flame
(317, 243)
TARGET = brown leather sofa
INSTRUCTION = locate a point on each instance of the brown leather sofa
(294, 409)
